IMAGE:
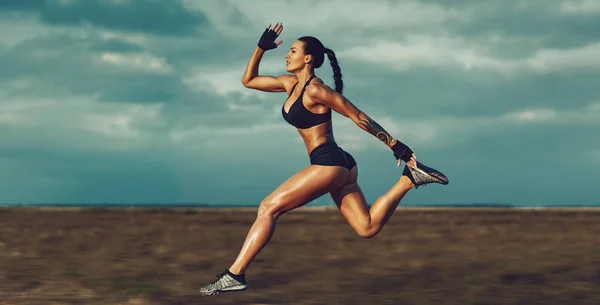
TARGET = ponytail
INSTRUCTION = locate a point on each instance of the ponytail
(312, 46)
(337, 72)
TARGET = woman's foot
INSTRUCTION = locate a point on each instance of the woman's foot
(226, 282)
(422, 175)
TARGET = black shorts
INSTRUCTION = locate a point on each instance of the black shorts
(330, 154)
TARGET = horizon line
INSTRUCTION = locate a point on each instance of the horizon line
(208, 205)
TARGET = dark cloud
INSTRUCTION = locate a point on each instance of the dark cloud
(46, 56)
(426, 91)
(73, 65)
(134, 88)
(85, 176)
(532, 24)
(149, 16)
(212, 111)
(537, 25)
(19, 5)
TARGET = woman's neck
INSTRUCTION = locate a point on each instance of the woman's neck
(304, 75)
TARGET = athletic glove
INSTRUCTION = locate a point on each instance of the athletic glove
(267, 40)
(401, 151)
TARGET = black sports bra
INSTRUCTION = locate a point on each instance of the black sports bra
(300, 117)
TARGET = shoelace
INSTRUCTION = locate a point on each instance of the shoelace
(221, 279)
(218, 282)
(222, 274)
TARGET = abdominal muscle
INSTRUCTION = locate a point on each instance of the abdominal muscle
(317, 135)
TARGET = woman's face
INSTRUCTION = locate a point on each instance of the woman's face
(295, 58)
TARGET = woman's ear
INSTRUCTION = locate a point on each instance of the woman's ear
(308, 59)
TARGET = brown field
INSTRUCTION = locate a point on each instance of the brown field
(421, 257)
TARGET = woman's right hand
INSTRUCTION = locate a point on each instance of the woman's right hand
(267, 40)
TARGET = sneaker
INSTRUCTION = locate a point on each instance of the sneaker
(422, 175)
(226, 282)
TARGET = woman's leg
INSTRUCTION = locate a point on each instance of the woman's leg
(353, 206)
(307, 185)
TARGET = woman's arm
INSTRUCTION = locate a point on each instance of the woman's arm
(251, 79)
(324, 95)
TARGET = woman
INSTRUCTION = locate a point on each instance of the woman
(332, 170)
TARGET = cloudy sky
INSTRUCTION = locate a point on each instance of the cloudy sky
(141, 101)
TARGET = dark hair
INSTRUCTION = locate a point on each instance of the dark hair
(314, 47)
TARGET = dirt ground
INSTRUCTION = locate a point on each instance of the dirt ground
(159, 256)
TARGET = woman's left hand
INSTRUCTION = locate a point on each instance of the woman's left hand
(412, 162)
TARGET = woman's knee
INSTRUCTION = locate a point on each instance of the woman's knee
(363, 227)
(270, 207)
(365, 232)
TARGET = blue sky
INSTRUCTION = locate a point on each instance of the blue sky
(141, 101)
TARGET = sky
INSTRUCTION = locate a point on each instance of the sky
(141, 101)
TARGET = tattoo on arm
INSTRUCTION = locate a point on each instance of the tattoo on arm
(370, 126)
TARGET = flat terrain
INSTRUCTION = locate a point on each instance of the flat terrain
(421, 257)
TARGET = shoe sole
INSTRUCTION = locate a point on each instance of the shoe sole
(230, 289)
